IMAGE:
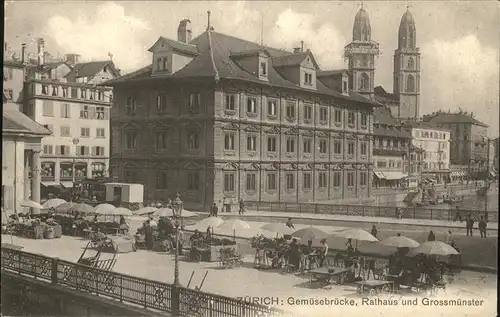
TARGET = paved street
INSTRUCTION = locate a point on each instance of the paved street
(247, 281)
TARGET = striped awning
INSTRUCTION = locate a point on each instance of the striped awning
(394, 175)
(51, 183)
(380, 175)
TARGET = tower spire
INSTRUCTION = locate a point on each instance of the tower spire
(262, 29)
(208, 22)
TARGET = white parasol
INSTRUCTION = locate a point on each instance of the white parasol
(434, 248)
(53, 203)
(104, 209)
(400, 242)
(278, 228)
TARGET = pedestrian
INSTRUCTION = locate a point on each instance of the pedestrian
(214, 210)
(431, 236)
(148, 232)
(242, 207)
(458, 215)
(324, 252)
(482, 227)
(289, 223)
(374, 231)
(469, 224)
(448, 238)
(398, 213)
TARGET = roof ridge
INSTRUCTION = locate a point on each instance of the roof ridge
(180, 42)
(254, 43)
(212, 54)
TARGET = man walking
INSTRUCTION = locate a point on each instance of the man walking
(449, 238)
(482, 227)
(458, 215)
(374, 231)
(214, 210)
(242, 207)
(469, 223)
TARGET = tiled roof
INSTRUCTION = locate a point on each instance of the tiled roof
(332, 72)
(15, 121)
(179, 46)
(381, 95)
(214, 61)
(89, 69)
(450, 118)
(386, 125)
(422, 125)
(382, 115)
(290, 60)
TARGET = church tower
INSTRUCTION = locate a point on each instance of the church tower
(407, 69)
(361, 54)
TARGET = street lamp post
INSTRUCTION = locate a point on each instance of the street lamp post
(75, 143)
(177, 208)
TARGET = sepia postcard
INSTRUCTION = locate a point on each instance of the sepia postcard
(250, 158)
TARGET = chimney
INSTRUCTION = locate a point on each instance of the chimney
(41, 51)
(24, 54)
(301, 46)
(184, 33)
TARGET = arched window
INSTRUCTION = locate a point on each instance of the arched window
(364, 82)
(411, 63)
(410, 84)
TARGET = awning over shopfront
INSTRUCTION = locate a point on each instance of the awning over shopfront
(394, 175)
(51, 183)
(67, 184)
(455, 174)
(492, 173)
(380, 175)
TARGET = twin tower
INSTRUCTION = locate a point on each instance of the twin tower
(361, 53)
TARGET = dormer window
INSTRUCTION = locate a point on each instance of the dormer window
(344, 87)
(308, 79)
(263, 68)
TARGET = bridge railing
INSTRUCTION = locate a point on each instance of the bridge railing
(368, 211)
(149, 294)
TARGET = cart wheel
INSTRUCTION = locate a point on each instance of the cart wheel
(359, 290)
(372, 292)
(386, 289)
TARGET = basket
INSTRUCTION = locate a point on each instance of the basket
(49, 234)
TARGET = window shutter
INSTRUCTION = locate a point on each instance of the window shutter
(106, 113)
(93, 151)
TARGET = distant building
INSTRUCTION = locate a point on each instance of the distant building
(222, 119)
(21, 162)
(65, 98)
(469, 141)
(404, 101)
(435, 143)
(391, 147)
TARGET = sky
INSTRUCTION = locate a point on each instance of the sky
(459, 41)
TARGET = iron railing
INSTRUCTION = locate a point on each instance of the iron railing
(369, 211)
(149, 294)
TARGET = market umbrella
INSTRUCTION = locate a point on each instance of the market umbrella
(400, 242)
(434, 248)
(309, 233)
(121, 211)
(64, 207)
(31, 204)
(145, 211)
(355, 234)
(212, 222)
(278, 228)
(233, 225)
(82, 208)
(104, 209)
(53, 203)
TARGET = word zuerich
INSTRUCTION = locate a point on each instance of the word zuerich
(292, 301)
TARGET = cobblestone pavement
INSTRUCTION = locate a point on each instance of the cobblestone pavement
(247, 281)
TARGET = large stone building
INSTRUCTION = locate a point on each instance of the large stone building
(64, 97)
(391, 152)
(470, 147)
(21, 147)
(404, 101)
(435, 143)
(220, 118)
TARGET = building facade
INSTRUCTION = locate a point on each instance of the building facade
(391, 147)
(65, 99)
(404, 102)
(470, 146)
(21, 163)
(435, 143)
(222, 119)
